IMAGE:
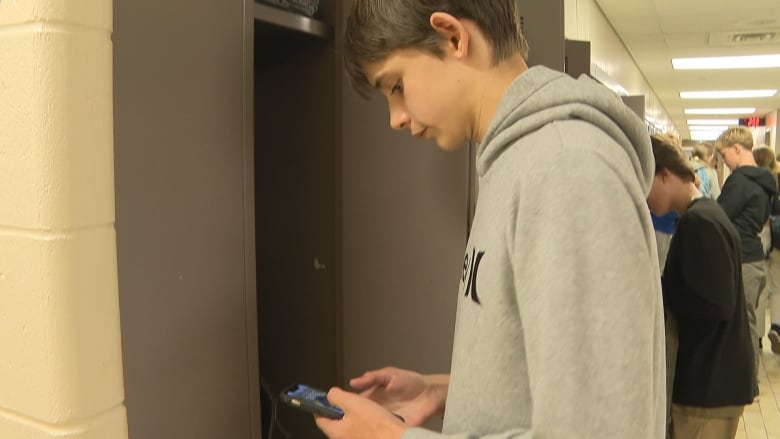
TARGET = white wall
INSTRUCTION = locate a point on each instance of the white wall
(584, 20)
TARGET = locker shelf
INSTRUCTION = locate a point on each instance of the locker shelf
(292, 21)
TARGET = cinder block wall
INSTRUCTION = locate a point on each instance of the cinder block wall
(60, 353)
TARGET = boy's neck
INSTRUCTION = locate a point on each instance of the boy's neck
(493, 82)
(686, 198)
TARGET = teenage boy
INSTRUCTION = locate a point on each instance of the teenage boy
(746, 198)
(702, 288)
(559, 331)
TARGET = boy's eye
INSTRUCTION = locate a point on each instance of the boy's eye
(397, 88)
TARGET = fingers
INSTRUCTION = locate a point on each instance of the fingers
(366, 380)
(363, 418)
(346, 401)
(372, 378)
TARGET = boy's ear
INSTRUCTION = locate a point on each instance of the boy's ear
(454, 34)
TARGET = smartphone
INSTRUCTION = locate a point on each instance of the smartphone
(311, 400)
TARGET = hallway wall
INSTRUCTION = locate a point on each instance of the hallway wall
(60, 355)
(584, 20)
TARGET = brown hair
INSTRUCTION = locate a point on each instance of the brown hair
(765, 158)
(669, 156)
(671, 138)
(736, 135)
(376, 28)
(703, 151)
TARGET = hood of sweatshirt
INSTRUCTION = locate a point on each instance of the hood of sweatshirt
(545, 96)
(760, 176)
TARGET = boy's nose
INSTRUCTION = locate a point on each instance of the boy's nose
(399, 119)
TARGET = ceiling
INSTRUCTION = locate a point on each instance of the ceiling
(655, 31)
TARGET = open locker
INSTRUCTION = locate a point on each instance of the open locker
(295, 185)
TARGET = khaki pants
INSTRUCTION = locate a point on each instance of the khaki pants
(753, 280)
(705, 423)
(771, 297)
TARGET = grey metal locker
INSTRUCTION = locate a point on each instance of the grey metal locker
(184, 219)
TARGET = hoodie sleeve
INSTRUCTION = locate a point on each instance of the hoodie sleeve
(419, 433)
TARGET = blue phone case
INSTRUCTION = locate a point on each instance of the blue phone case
(309, 399)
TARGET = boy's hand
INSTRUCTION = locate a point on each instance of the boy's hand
(409, 394)
(363, 418)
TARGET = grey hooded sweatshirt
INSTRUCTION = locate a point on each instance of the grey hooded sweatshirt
(559, 331)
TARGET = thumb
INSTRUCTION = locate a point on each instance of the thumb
(348, 401)
(339, 397)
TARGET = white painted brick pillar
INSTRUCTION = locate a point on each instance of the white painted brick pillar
(60, 350)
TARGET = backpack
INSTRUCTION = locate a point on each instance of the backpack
(774, 219)
(774, 230)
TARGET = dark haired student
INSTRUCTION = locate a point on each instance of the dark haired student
(702, 287)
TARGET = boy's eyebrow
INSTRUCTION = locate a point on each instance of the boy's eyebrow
(378, 81)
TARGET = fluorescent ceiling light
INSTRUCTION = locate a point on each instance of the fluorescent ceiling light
(708, 129)
(745, 110)
(727, 94)
(728, 62)
(720, 128)
(713, 121)
(695, 130)
(705, 135)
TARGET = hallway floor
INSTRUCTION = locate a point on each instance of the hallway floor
(762, 419)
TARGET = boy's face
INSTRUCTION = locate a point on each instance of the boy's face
(425, 95)
(730, 154)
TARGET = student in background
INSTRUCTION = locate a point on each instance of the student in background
(765, 158)
(702, 288)
(702, 166)
(746, 198)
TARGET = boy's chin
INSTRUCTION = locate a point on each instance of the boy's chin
(449, 146)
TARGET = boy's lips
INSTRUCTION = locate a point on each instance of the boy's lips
(420, 133)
